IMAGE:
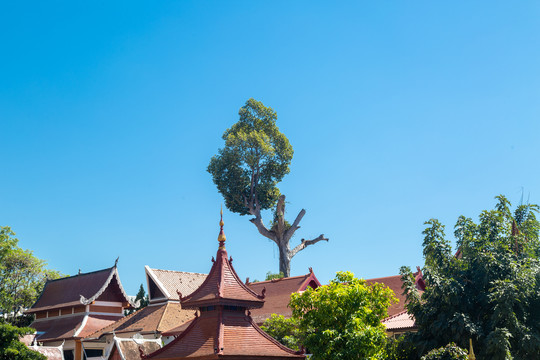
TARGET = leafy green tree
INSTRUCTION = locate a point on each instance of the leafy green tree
(449, 352)
(342, 320)
(286, 331)
(247, 170)
(22, 277)
(489, 291)
(141, 298)
(10, 346)
(271, 276)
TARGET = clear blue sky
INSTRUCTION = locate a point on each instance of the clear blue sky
(397, 111)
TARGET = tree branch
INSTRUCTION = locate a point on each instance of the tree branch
(257, 221)
(305, 243)
(280, 214)
(290, 231)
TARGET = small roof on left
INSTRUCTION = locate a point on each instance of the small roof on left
(81, 289)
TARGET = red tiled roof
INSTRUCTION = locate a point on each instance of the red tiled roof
(236, 334)
(395, 284)
(67, 327)
(77, 290)
(400, 321)
(149, 319)
(222, 286)
(278, 294)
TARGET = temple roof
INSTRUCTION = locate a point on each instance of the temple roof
(228, 335)
(150, 319)
(222, 286)
(68, 327)
(81, 289)
(395, 284)
(223, 330)
(165, 284)
(278, 294)
(400, 321)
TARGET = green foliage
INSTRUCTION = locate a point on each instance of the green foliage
(400, 348)
(342, 320)
(449, 352)
(284, 330)
(10, 346)
(490, 292)
(255, 158)
(141, 298)
(271, 276)
(22, 276)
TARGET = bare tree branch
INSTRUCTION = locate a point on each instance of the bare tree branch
(290, 231)
(306, 243)
(280, 214)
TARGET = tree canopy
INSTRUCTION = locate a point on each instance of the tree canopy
(341, 320)
(22, 277)
(487, 291)
(247, 170)
(10, 346)
(254, 160)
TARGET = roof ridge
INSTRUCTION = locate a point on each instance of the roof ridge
(178, 271)
(277, 280)
(81, 274)
(383, 277)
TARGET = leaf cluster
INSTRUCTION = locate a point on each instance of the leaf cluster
(10, 346)
(254, 160)
(284, 330)
(449, 352)
(342, 320)
(22, 275)
(488, 291)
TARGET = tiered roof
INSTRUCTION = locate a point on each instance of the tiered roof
(223, 330)
(165, 284)
(81, 289)
(62, 309)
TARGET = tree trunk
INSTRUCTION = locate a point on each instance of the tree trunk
(280, 234)
(284, 260)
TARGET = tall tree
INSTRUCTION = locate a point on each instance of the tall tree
(487, 291)
(247, 170)
(22, 276)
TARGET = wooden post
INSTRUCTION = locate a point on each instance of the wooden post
(78, 350)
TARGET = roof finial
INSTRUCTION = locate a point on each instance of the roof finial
(221, 237)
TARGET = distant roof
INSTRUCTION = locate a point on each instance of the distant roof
(68, 327)
(78, 289)
(131, 348)
(395, 284)
(51, 352)
(169, 282)
(400, 321)
(150, 319)
(278, 294)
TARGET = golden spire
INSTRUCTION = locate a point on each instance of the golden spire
(221, 238)
(471, 351)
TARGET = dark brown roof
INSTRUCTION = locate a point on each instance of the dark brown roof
(278, 294)
(153, 318)
(79, 289)
(237, 336)
(222, 286)
(67, 327)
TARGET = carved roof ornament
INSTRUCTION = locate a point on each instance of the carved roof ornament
(221, 236)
